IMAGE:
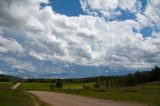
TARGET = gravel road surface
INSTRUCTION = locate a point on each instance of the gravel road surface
(60, 99)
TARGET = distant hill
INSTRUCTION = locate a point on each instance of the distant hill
(9, 78)
(124, 80)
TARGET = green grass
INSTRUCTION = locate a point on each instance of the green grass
(35, 86)
(76, 85)
(148, 93)
(46, 86)
(13, 98)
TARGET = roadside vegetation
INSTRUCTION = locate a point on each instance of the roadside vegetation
(13, 98)
(148, 93)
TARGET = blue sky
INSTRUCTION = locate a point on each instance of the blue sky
(67, 7)
(78, 38)
(73, 8)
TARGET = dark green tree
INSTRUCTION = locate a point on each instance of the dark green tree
(59, 84)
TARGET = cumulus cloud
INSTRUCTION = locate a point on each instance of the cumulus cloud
(11, 45)
(43, 35)
(150, 16)
(1, 72)
(108, 8)
(152, 11)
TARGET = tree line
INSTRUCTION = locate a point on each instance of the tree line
(100, 81)
(129, 80)
(125, 80)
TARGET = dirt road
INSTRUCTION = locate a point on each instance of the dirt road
(60, 99)
(15, 86)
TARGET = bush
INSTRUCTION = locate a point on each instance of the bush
(86, 87)
(52, 86)
(59, 84)
(99, 84)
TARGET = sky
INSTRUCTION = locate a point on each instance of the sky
(78, 38)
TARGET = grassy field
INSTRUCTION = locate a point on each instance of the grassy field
(13, 98)
(46, 86)
(35, 86)
(147, 93)
(76, 85)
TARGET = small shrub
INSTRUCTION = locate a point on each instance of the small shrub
(52, 86)
(59, 84)
(86, 87)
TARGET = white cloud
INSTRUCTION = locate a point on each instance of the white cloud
(129, 4)
(151, 15)
(19, 64)
(1, 72)
(152, 11)
(3, 50)
(43, 35)
(10, 45)
(108, 7)
(143, 20)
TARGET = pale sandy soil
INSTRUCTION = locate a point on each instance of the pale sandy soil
(15, 86)
(60, 99)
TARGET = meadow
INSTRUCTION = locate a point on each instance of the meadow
(148, 93)
(13, 98)
(46, 86)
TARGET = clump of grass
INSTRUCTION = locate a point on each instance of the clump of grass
(13, 98)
